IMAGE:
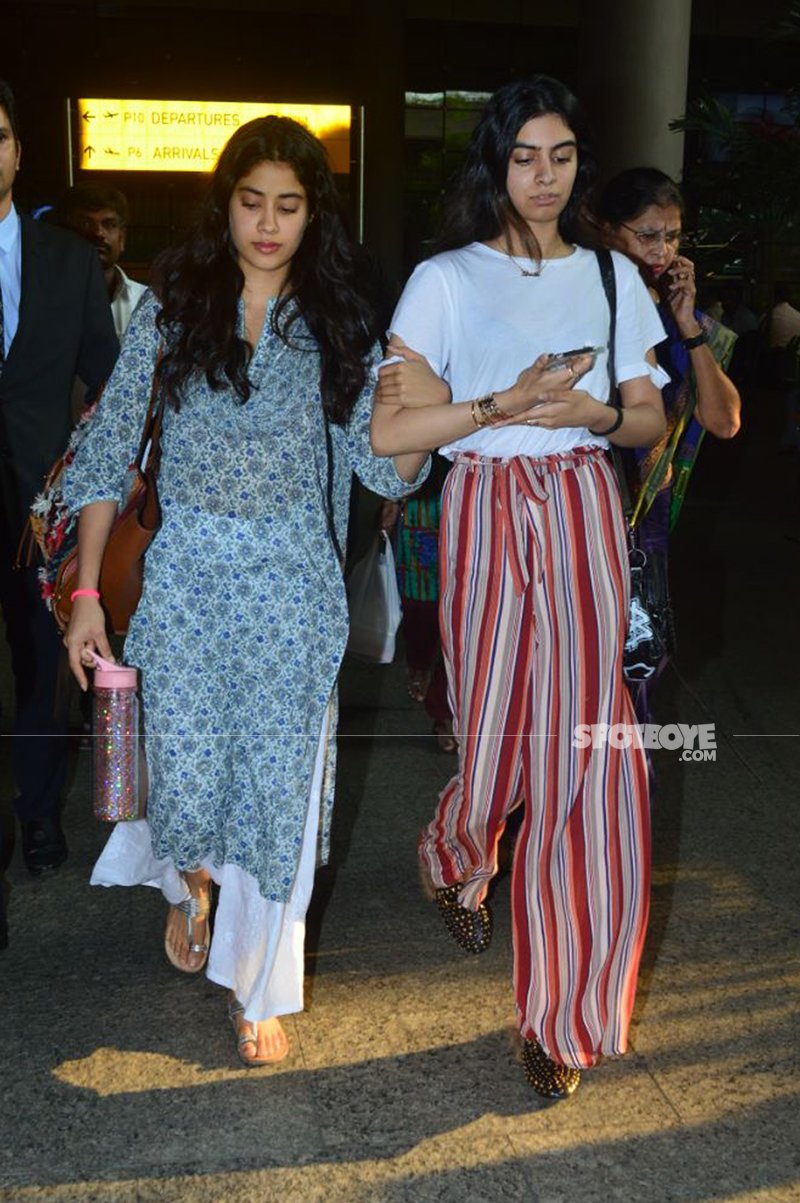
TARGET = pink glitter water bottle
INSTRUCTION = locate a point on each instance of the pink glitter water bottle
(116, 742)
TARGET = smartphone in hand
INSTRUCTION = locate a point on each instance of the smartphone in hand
(563, 358)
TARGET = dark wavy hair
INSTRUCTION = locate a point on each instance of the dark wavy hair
(199, 282)
(631, 192)
(92, 197)
(478, 207)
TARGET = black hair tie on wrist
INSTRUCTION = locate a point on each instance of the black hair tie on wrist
(615, 425)
(697, 341)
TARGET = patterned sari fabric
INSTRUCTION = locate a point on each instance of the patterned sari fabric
(666, 467)
(662, 472)
(417, 560)
(417, 555)
(418, 549)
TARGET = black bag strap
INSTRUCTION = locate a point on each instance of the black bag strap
(609, 278)
(337, 547)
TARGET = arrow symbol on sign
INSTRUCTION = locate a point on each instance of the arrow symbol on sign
(88, 116)
(89, 152)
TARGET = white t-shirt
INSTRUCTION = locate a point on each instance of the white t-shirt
(479, 322)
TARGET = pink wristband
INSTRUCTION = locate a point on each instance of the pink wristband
(84, 593)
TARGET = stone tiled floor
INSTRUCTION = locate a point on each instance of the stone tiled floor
(120, 1080)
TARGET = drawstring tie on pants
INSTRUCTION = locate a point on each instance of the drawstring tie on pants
(521, 479)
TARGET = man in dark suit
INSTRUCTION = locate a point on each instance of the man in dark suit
(55, 324)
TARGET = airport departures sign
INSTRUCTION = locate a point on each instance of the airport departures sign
(187, 135)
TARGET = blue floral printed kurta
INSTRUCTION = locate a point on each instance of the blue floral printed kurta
(243, 620)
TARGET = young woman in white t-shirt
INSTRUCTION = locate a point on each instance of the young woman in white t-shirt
(534, 587)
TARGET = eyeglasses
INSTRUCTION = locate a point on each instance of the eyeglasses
(648, 238)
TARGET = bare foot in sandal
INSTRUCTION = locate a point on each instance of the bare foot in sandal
(262, 1043)
(186, 938)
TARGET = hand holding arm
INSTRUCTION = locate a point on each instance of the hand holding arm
(411, 382)
(400, 428)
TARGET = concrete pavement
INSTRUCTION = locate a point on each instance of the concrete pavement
(120, 1080)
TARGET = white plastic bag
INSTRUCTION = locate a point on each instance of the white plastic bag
(374, 603)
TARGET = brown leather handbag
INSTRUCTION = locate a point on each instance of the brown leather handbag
(136, 523)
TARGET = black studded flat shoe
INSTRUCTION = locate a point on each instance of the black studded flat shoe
(471, 930)
(547, 1077)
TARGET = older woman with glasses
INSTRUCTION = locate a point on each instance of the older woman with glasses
(640, 212)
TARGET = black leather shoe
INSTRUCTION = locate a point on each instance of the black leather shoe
(43, 845)
(547, 1077)
(471, 930)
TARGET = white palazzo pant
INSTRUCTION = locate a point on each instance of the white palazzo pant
(257, 948)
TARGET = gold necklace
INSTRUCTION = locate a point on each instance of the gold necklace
(523, 271)
(533, 275)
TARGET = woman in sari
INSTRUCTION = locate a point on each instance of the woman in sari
(640, 212)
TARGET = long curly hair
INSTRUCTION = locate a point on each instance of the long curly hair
(199, 282)
(478, 208)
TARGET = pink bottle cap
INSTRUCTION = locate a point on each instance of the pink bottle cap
(112, 676)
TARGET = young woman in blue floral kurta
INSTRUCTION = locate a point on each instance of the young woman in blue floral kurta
(243, 622)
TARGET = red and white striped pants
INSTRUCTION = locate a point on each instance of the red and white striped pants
(534, 597)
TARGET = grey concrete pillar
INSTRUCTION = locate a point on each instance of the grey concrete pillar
(633, 70)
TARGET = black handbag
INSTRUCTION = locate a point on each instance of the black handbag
(651, 628)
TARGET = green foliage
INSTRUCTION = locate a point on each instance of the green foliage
(789, 26)
(758, 179)
(745, 180)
